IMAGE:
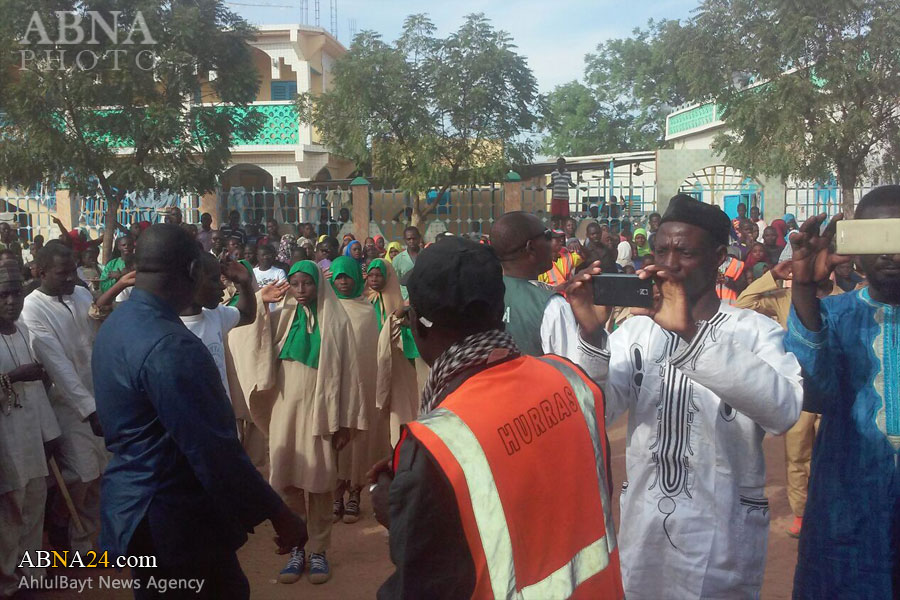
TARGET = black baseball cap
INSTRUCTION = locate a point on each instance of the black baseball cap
(457, 283)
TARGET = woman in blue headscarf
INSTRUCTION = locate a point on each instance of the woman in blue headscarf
(354, 250)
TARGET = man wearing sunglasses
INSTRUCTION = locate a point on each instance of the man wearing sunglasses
(539, 320)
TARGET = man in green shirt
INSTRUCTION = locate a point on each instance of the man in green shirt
(403, 263)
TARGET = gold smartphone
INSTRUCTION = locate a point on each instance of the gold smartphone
(868, 236)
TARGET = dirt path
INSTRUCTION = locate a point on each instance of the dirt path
(360, 561)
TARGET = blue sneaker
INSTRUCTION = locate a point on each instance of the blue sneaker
(318, 568)
(294, 568)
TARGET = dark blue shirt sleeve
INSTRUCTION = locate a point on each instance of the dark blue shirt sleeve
(184, 386)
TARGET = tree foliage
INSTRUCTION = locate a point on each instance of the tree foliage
(121, 122)
(809, 88)
(630, 86)
(427, 112)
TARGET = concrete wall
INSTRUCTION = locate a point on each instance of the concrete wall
(675, 165)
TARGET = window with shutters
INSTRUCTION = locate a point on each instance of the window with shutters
(284, 90)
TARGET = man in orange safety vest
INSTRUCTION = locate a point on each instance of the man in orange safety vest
(501, 488)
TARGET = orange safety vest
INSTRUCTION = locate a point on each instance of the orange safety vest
(523, 444)
(734, 270)
(556, 275)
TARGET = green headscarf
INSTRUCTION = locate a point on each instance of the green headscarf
(409, 344)
(345, 265)
(237, 296)
(644, 250)
(304, 340)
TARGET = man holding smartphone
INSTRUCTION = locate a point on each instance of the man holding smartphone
(702, 383)
(849, 347)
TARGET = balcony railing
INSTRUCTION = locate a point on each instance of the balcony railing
(280, 125)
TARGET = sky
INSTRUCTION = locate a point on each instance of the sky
(553, 35)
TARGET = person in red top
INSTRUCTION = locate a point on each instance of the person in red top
(501, 487)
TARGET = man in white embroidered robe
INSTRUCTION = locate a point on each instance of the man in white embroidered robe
(702, 382)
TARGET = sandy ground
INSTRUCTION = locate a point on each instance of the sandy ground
(360, 560)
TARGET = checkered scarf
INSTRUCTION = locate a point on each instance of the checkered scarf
(470, 352)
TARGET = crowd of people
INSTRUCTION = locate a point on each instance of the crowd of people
(204, 380)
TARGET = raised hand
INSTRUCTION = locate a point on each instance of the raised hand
(782, 270)
(274, 292)
(236, 272)
(671, 309)
(128, 279)
(813, 259)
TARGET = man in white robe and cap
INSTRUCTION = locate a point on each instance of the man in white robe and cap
(26, 424)
(56, 315)
(702, 383)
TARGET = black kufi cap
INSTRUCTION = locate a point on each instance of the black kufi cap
(686, 209)
(457, 283)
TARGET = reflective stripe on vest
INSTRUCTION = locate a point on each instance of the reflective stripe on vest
(489, 515)
(586, 399)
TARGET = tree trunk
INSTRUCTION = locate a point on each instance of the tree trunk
(848, 203)
(110, 220)
(417, 219)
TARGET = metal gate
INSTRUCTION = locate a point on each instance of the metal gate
(31, 211)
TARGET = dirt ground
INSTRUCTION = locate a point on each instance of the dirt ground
(360, 561)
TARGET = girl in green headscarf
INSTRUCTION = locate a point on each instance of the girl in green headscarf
(368, 447)
(643, 246)
(398, 363)
(316, 404)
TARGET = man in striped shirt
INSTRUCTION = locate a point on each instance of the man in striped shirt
(560, 182)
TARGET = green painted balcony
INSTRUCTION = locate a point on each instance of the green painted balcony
(692, 118)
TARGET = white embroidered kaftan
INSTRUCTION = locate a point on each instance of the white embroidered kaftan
(694, 516)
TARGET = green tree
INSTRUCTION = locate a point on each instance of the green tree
(111, 111)
(808, 88)
(631, 85)
(578, 124)
(429, 112)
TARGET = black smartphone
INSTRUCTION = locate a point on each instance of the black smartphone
(616, 289)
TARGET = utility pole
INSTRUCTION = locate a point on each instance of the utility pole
(304, 12)
(317, 12)
(352, 29)
(334, 21)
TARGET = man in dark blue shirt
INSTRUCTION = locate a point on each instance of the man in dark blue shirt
(179, 486)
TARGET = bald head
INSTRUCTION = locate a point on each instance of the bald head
(513, 230)
(166, 248)
(519, 241)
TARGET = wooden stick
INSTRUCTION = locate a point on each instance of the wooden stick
(65, 492)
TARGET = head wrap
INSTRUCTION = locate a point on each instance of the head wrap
(304, 339)
(781, 229)
(350, 245)
(644, 250)
(10, 271)
(710, 218)
(344, 265)
(392, 246)
(788, 217)
(322, 238)
(389, 300)
(285, 248)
